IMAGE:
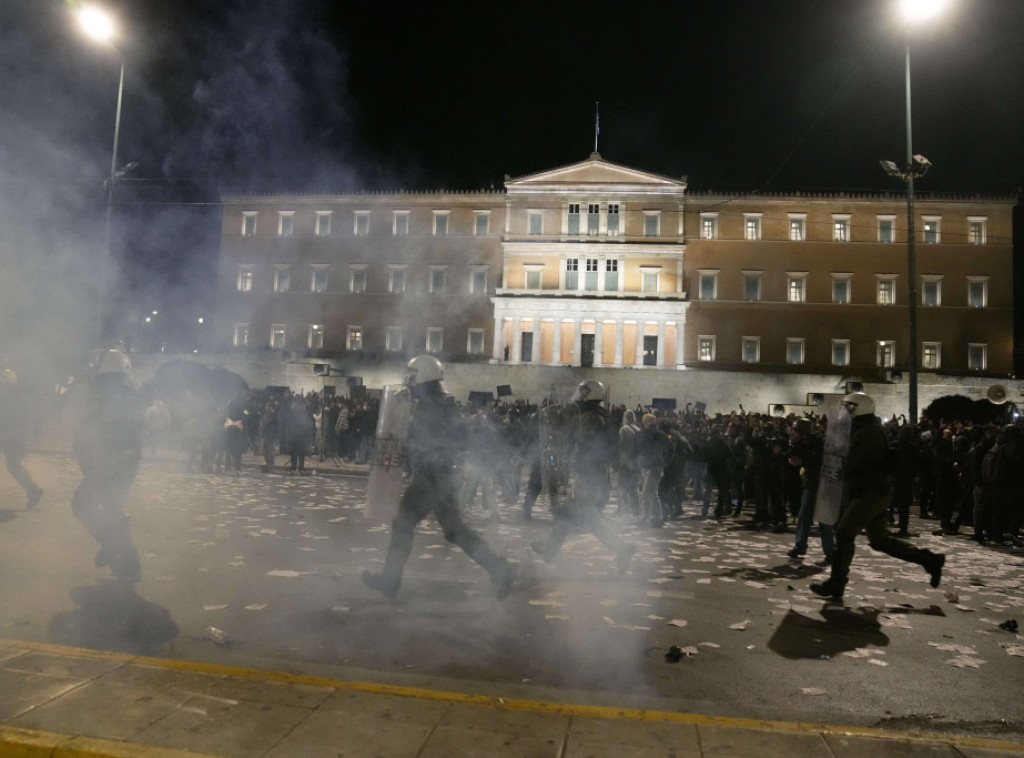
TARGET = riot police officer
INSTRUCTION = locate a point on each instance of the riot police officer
(596, 447)
(434, 447)
(108, 435)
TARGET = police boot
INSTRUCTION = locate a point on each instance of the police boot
(388, 588)
(503, 577)
(831, 588)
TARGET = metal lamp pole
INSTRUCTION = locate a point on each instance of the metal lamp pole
(911, 256)
(108, 241)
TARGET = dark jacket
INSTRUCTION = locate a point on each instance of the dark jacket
(653, 448)
(866, 466)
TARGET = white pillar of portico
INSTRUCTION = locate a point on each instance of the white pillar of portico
(535, 353)
(679, 341)
(598, 340)
(639, 343)
(499, 339)
(661, 342)
(577, 333)
(618, 343)
(556, 345)
(517, 340)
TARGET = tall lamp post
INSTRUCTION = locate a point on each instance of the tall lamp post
(914, 167)
(99, 26)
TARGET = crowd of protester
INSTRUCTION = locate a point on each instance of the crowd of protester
(964, 476)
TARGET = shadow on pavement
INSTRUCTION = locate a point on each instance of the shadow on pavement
(111, 616)
(842, 629)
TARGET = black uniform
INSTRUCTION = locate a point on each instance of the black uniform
(108, 435)
(434, 447)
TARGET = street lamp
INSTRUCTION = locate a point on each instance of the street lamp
(99, 26)
(915, 167)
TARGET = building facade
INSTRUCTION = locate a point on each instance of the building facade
(600, 265)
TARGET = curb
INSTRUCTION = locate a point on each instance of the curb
(29, 743)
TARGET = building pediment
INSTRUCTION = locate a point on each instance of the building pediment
(594, 173)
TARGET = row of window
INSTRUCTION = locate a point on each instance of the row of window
(323, 225)
(842, 288)
(605, 220)
(355, 338)
(885, 226)
(436, 280)
(885, 352)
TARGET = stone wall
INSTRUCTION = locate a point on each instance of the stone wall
(720, 391)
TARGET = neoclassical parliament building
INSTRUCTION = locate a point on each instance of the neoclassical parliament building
(599, 264)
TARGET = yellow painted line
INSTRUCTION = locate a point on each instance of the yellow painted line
(565, 709)
(30, 743)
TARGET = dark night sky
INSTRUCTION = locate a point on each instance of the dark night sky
(313, 94)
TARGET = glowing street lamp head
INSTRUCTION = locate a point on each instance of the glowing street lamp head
(921, 10)
(96, 23)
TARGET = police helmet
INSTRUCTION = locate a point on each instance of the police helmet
(590, 389)
(423, 369)
(113, 362)
(858, 404)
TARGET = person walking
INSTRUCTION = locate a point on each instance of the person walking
(434, 448)
(12, 429)
(805, 453)
(653, 450)
(866, 501)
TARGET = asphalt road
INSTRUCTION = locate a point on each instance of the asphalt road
(264, 570)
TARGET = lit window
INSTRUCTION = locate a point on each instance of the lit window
(652, 223)
(535, 222)
(440, 223)
(249, 223)
(841, 289)
(533, 277)
(481, 223)
(886, 229)
(362, 224)
(977, 356)
(709, 226)
(593, 219)
(574, 218)
(438, 278)
(613, 219)
(318, 281)
(572, 273)
(611, 275)
(435, 339)
(932, 230)
(885, 356)
(796, 288)
(400, 226)
(931, 290)
(840, 352)
(393, 339)
(277, 334)
(357, 281)
(931, 355)
(590, 280)
(315, 338)
(478, 282)
(977, 291)
(475, 342)
(354, 338)
(244, 279)
(797, 227)
(752, 286)
(706, 347)
(795, 351)
(323, 224)
(751, 349)
(282, 279)
(752, 226)
(708, 285)
(396, 281)
(285, 223)
(886, 291)
(241, 335)
(840, 228)
(976, 230)
(649, 281)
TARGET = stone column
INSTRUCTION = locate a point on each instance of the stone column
(661, 343)
(517, 339)
(498, 347)
(535, 354)
(639, 342)
(556, 347)
(598, 340)
(576, 334)
(618, 343)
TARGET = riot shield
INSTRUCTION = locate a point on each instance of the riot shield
(557, 427)
(833, 466)
(384, 486)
